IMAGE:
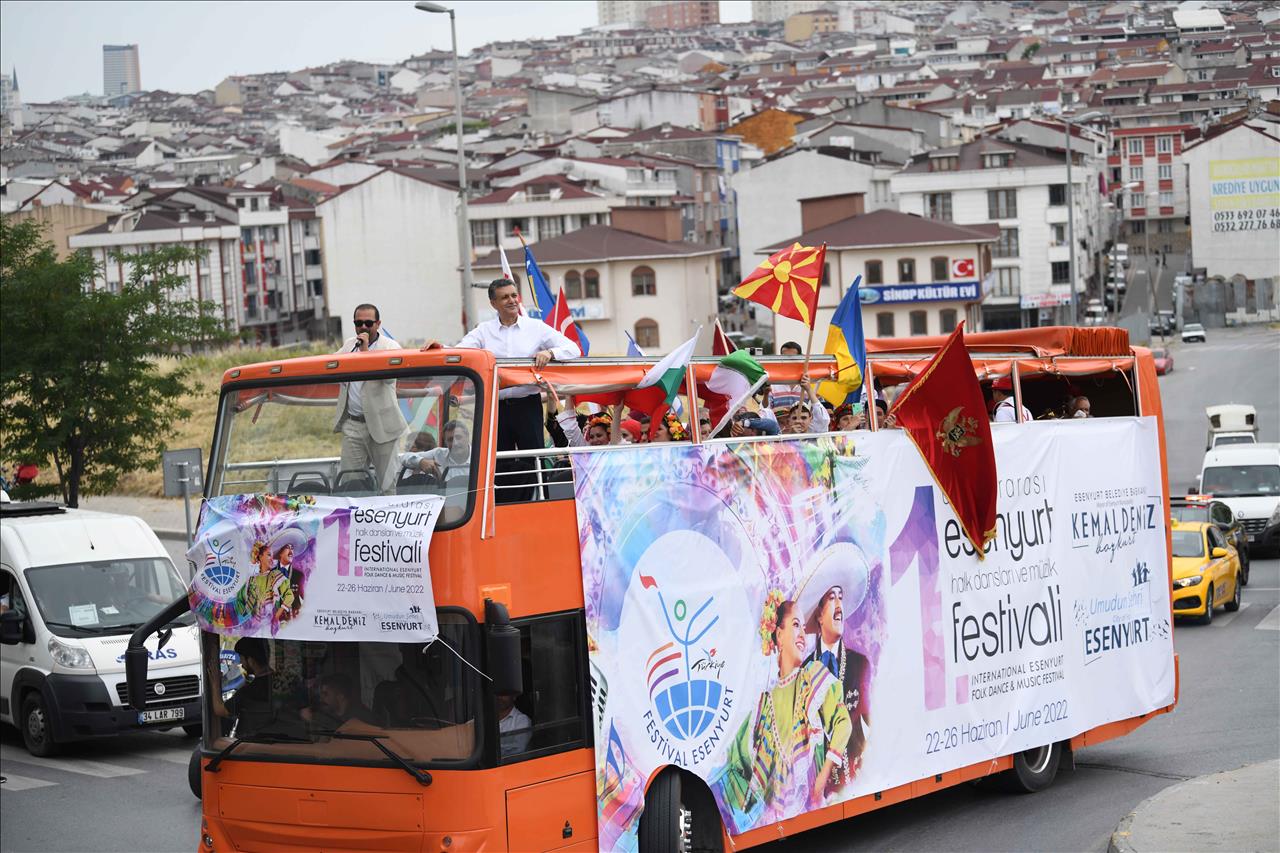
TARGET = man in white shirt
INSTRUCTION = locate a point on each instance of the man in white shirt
(369, 416)
(1002, 393)
(513, 335)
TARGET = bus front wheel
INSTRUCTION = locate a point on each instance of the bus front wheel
(1034, 769)
(680, 816)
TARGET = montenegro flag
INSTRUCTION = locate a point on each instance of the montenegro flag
(943, 412)
(846, 343)
(787, 283)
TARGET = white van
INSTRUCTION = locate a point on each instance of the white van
(74, 585)
(1246, 477)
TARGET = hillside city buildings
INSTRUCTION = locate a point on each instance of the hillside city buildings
(652, 160)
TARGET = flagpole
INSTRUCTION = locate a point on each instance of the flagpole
(813, 321)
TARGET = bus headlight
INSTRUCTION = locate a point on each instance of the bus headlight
(72, 657)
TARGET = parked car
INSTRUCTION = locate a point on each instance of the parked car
(1164, 361)
(1193, 332)
(1246, 477)
(1203, 509)
(1206, 571)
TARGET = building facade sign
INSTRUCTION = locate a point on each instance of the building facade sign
(943, 291)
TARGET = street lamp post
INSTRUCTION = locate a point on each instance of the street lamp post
(1067, 122)
(464, 226)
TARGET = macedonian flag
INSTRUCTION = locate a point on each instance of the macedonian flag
(943, 412)
(788, 282)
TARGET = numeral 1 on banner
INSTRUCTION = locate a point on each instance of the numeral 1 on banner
(342, 517)
(918, 542)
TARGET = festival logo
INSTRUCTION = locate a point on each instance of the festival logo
(219, 577)
(685, 701)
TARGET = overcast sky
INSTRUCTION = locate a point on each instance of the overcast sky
(56, 47)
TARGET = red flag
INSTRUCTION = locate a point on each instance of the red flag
(787, 283)
(944, 413)
(720, 343)
(562, 321)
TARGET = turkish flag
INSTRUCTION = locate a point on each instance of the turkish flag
(962, 268)
(720, 343)
(562, 321)
(943, 412)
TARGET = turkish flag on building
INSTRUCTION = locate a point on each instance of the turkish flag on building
(944, 413)
(962, 268)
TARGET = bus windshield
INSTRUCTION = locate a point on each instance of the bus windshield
(289, 697)
(390, 436)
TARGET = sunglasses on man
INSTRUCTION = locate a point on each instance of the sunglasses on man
(368, 324)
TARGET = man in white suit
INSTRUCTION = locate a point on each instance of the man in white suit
(369, 415)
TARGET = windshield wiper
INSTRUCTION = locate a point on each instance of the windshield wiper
(422, 776)
(88, 629)
(261, 737)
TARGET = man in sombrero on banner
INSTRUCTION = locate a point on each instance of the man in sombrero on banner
(834, 588)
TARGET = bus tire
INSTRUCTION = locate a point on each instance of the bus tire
(1034, 769)
(680, 816)
(193, 774)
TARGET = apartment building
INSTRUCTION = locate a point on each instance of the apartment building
(636, 277)
(919, 276)
(214, 277)
(1156, 209)
(121, 73)
(1022, 189)
(542, 208)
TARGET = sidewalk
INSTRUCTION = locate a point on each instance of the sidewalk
(1233, 811)
(163, 515)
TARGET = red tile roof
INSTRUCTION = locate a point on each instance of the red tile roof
(600, 243)
(889, 228)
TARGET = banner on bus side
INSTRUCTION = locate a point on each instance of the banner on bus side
(803, 623)
(314, 567)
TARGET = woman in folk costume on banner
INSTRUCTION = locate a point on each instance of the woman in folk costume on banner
(780, 767)
(270, 594)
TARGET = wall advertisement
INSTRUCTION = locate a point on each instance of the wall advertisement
(314, 567)
(1244, 194)
(803, 623)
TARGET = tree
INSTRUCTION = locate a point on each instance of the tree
(90, 379)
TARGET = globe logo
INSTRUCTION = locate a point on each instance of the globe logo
(219, 572)
(686, 703)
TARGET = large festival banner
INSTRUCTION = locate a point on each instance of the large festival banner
(314, 567)
(802, 623)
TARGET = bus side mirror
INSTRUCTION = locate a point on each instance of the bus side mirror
(11, 624)
(503, 648)
(135, 674)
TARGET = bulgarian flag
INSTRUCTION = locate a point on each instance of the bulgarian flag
(658, 389)
(732, 383)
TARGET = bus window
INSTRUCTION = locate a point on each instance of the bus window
(420, 699)
(549, 715)
(301, 439)
(1105, 395)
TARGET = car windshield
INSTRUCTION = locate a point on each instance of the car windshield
(1188, 543)
(305, 438)
(1193, 327)
(1190, 512)
(1241, 480)
(1159, 353)
(1233, 439)
(421, 700)
(106, 597)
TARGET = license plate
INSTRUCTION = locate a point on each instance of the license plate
(162, 715)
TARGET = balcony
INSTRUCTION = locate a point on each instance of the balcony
(311, 242)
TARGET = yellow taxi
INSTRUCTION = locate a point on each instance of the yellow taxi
(1206, 571)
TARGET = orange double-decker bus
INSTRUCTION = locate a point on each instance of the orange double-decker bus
(494, 737)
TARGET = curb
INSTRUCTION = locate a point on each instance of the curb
(1119, 842)
(166, 533)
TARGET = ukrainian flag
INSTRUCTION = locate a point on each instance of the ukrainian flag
(846, 343)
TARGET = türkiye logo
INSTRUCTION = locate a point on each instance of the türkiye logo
(219, 572)
(684, 698)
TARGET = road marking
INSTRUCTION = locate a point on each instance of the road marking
(83, 766)
(1227, 619)
(1270, 622)
(23, 783)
